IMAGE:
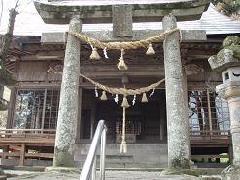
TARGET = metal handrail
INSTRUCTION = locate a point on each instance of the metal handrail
(89, 167)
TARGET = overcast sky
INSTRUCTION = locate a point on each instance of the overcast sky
(29, 22)
(25, 6)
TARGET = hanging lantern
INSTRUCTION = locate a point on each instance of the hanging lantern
(121, 65)
(125, 102)
(144, 98)
(150, 50)
(103, 96)
(94, 55)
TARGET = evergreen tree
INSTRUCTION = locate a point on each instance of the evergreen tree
(228, 7)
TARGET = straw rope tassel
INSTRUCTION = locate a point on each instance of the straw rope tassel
(123, 145)
(121, 65)
(103, 96)
(94, 55)
(150, 50)
(125, 102)
(144, 98)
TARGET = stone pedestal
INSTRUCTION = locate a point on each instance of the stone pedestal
(226, 63)
(176, 101)
(68, 105)
(231, 92)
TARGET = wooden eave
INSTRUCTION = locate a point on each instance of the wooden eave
(60, 13)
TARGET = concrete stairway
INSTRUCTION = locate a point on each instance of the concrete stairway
(138, 156)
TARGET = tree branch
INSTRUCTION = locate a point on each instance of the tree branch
(8, 36)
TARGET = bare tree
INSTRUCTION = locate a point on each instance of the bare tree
(5, 76)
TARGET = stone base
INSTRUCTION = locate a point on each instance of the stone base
(190, 172)
(62, 169)
(231, 173)
(3, 177)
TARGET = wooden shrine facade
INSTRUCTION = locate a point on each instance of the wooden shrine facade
(35, 99)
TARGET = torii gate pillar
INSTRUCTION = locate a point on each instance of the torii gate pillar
(175, 82)
(68, 104)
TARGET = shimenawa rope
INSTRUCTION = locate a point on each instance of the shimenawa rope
(123, 45)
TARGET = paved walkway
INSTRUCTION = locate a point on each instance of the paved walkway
(110, 175)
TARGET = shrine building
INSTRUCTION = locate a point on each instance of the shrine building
(69, 79)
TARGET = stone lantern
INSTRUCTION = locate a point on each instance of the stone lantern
(227, 62)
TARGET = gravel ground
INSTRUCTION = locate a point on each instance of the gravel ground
(110, 175)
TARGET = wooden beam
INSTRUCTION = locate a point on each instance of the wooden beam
(210, 156)
(28, 141)
(41, 58)
(11, 108)
(17, 154)
(39, 155)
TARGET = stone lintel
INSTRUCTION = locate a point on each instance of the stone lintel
(54, 38)
(60, 12)
(187, 36)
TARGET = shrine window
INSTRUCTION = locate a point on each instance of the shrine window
(208, 113)
(36, 108)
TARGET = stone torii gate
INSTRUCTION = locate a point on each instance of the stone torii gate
(122, 16)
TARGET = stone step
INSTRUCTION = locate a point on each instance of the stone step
(211, 177)
(111, 158)
(110, 175)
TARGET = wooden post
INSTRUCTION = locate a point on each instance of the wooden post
(1, 91)
(11, 108)
(44, 109)
(161, 120)
(209, 113)
(22, 155)
(93, 115)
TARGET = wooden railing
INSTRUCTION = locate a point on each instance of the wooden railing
(30, 137)
(26, 131)
(21, 140)
(210, 137)
(210, 133)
